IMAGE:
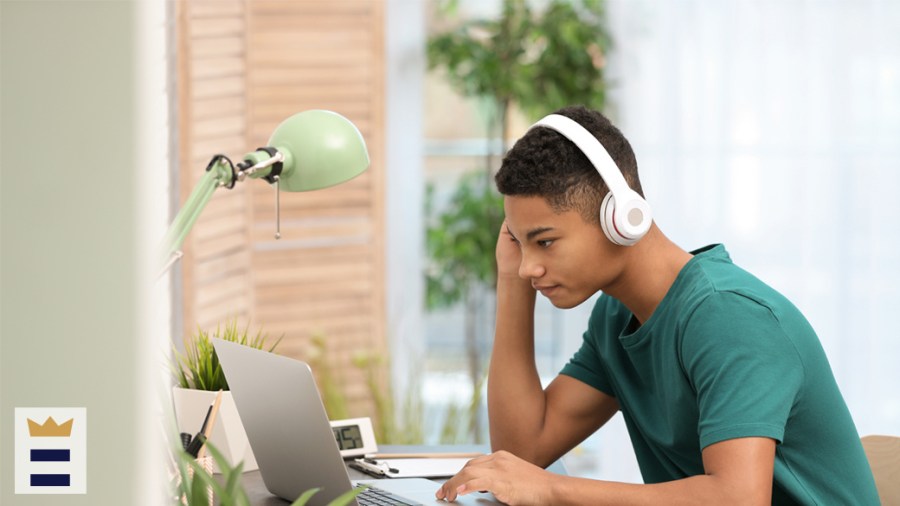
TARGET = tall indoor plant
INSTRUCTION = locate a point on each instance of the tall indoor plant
(533, 59)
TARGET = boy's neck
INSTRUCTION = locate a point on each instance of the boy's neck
(650, 270)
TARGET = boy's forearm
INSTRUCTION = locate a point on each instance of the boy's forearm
(515, 396)
(701, 489)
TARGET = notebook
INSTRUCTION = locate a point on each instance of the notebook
(288, 430)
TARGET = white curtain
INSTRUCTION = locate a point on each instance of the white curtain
(773, 127)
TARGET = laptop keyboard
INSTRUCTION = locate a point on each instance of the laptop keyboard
(377, 497)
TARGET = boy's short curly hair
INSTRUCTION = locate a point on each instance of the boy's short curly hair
(545, 164)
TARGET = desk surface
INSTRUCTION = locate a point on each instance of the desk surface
(259, 496)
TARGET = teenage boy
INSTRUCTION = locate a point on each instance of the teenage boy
(724, 387)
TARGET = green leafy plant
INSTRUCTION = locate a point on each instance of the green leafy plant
(394, 425)
(391, 425)
(198, 367)
(194, 484)
(535, 59)
(329, 385)
(532, 59)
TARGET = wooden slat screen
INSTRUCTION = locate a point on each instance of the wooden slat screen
(325, 276)
(212, 109)
(251, 65)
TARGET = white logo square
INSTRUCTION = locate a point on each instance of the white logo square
(51, 451)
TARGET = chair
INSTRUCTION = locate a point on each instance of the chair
(883, 453)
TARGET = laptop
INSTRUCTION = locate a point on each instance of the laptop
(291, 437)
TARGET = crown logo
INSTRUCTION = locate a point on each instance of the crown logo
(50, 428)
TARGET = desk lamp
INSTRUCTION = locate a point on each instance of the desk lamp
(308, 151)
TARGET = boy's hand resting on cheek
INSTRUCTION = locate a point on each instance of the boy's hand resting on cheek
(509, 254)
(512, 480)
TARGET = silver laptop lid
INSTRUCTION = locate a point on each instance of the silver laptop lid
(285, 421)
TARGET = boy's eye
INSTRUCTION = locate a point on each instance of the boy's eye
(544, 243)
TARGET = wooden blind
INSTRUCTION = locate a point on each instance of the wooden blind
(266, 60)
(212, 109)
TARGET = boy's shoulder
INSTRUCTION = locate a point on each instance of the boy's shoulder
(709, 287)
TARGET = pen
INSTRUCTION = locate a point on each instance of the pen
(381, 465)
(361, 465)
(193, 445)
(207, 429)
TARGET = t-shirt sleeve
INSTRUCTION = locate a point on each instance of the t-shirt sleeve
(744, 369)
(586, 365)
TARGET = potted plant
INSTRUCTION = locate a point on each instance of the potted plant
(198, 378)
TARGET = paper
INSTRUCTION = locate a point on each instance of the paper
(423, 468)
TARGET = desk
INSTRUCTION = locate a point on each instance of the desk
(259, 496)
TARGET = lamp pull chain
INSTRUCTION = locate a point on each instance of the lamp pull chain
(277, 207)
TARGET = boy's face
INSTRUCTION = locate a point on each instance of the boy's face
(566, 258)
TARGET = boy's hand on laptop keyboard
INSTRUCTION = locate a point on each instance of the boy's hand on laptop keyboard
(512, 480)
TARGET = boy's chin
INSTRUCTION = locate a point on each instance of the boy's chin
(566, 302)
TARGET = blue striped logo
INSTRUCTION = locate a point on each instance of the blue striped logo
(51, 451)
(50, 455)
(50, 480)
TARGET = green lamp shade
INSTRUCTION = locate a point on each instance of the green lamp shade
(320, 148)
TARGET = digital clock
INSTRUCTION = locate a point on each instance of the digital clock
(354, 437)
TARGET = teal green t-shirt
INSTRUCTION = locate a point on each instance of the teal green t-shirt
(725, 356)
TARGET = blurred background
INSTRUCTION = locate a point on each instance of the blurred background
(770, 126)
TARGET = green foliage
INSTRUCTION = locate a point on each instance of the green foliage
(198, 368)
(382, 397)
(405, 424)
(540, 60)
(459, 417)
(537, 57)
(194, 483)
(570, 43)
(330, 388)
(460, 240)
(341, 500)
(392, 424)
(388, 426)
(482, 57)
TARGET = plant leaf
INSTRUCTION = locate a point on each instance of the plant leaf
(305, 496)
(346, 497)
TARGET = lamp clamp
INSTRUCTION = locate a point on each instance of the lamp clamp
(277, 167)
(234, 174)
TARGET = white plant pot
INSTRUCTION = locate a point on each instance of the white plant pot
(228, 434)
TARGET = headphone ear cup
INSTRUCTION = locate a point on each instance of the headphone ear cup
(607, 216)
(625, 226)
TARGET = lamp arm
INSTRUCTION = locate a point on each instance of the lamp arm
(218, 174)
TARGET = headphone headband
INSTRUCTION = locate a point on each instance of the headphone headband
(624, 215)
(592, 149)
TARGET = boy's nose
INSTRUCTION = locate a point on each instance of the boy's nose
(530, 270)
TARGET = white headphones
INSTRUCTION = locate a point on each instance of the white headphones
(624, 215)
